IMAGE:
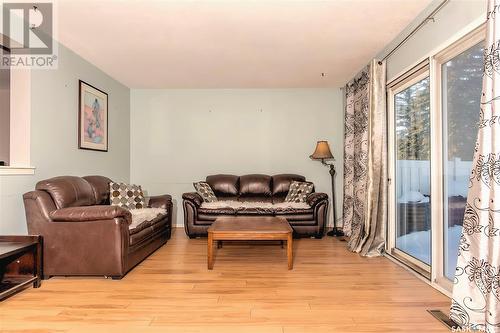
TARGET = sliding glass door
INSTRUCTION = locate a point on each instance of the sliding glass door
(412, 113)
(410, 139)
(461, 80)
(434, 111)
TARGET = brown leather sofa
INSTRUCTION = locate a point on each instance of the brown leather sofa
(84, 235)
(258, 188)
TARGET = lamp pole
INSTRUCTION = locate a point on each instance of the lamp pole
(323, 153)
(336, 232)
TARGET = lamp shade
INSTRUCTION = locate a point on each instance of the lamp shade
(322, 151)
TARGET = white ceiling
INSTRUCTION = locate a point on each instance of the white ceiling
(232, 44)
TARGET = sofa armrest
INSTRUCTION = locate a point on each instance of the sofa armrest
(314, 198)
(86, 247)
(90, 213)
(38, 205)
(193, 197)
(160, 201)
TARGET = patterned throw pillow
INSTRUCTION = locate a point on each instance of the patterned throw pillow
(206, 192)
(299, 191)
(128, 196)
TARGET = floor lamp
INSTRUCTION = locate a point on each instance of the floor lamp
(323, 153)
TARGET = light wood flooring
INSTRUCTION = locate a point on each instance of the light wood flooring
(249, 290)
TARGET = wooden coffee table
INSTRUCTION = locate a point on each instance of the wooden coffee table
(250, 228)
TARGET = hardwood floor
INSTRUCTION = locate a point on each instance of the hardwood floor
(249, 290)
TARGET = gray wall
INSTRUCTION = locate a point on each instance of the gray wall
(54, 143)
(454, 17)
(181, 136)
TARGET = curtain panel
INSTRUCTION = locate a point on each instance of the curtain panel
(365, 159)
(476, 290)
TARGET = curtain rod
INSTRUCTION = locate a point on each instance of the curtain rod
(429, 17)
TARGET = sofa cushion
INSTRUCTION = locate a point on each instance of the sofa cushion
(147, 230)
(128, 196)
(255, 211)
(237, 205)
(146, 223)
(295, 214)
(299, 191)
(136, 228)
(100, 186)
(281, 183)
(210, 211)
(68, 191)
(224, 185)
(255, 186)
(211, 214)
(205, 191)
(139, 216)
(292, 207)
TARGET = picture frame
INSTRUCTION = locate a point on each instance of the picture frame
(92, 117)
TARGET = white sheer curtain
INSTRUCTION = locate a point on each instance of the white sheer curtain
(476, 291)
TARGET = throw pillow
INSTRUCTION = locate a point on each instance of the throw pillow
(299, 191)
(206, 192)
(128, 196)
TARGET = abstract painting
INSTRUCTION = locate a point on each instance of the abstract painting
(92, 118)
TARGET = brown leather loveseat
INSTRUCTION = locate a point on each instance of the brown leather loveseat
(84, 235)
(308, 222)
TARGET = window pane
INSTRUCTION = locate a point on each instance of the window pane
(413, 215)
(462, 83)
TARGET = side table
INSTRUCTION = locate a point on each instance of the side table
(20, 263)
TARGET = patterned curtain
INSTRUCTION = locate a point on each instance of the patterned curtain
(365, 176)
(476, 290)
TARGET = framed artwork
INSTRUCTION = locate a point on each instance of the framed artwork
(92, 118)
